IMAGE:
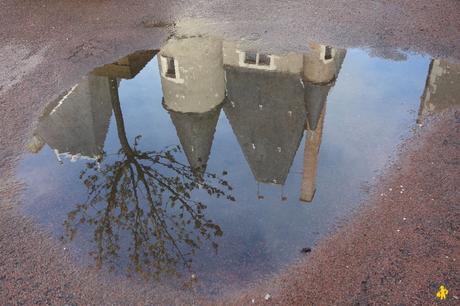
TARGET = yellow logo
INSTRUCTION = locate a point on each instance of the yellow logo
(442, 293)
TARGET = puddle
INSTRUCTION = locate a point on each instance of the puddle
(204, 163)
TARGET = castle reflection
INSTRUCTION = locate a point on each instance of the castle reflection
(269, 100)
(272, 102)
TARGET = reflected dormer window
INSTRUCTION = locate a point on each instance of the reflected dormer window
(256, 60)
(250, 58)
(264, 59)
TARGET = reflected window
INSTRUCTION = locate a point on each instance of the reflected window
(250, 58)
(171, 68)
(264, 60)
(328, 53)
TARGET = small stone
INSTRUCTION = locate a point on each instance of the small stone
(398, 230)
(267, 296)
(404, 218)
(253, 301)
(390, 189)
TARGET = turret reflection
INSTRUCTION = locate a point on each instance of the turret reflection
(321, 67)
(192, 79)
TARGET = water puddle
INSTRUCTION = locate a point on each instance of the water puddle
(208, 163)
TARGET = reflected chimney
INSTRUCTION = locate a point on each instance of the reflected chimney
(127, 67)
(310, 158)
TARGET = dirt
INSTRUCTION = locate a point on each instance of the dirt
(46, 46)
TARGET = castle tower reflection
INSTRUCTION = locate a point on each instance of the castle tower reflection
(321, 67)
(192, 76)
(192, 79)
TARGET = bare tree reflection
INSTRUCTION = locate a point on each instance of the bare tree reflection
(146, 198)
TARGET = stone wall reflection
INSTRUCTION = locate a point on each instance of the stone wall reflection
(442, 88)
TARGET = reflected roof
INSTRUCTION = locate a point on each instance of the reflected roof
(267, 113)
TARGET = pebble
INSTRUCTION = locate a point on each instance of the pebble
(306, 250)
(267, 296)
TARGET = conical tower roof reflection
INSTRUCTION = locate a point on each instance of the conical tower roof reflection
(196, 134)
(267, 113)
(315, 99)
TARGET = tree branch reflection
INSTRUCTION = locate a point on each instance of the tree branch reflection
(143, 199)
